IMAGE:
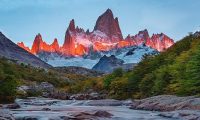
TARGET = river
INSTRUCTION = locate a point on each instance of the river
(52, 109)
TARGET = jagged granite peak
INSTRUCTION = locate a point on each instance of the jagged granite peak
(87, 32)
(55, 41)
(22, 45)
(69, 42)
(36, 44)
(79, 30)
(108, 25)
(160, 42)
(72, 25)
(128, 37)
(10, 50)
(55, 45)
(144, 33)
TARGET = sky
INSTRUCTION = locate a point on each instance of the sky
(21, 20)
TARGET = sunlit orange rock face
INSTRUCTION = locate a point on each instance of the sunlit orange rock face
(105, 36)
(21, 44)
(68, 47)
(159, 42)
(41, 46)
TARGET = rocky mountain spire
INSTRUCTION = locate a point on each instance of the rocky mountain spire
(72, 25)
(109, 25)
(55, 45)
(144, 34)
(69, 43)
(36, 44)
(21, 44)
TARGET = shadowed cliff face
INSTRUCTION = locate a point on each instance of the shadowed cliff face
(10, 50)
(108, 64)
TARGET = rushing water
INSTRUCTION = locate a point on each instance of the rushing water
(51, 109)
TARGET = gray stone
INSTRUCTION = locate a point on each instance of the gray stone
(45, 86)
(6, 115)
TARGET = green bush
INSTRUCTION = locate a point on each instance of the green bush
(7, 89)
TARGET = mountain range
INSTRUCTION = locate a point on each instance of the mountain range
(106, 36)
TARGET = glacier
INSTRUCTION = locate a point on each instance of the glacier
(138, 52)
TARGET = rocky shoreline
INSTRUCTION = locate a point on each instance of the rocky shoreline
(186, 108)
(169, 106)
(167, 103)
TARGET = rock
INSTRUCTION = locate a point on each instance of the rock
(66, 118)
(129, 53)
(59, 95)
(167, 103)
(46, 109)
(91, 96)
(47, 87)
(79, 97)
(84, 116)
(88, 115)
(11, 106)
(22, 90)
(103, 114)
(6, 115)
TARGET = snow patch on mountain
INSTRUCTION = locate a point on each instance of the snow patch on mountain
(137, 54)
(78, 61)
(80, 39)
(99, 33)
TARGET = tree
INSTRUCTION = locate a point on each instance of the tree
(8, 89)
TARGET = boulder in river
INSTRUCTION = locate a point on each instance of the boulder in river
(92, 115)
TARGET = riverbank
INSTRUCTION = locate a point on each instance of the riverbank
(170, 106)
(162, 107)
